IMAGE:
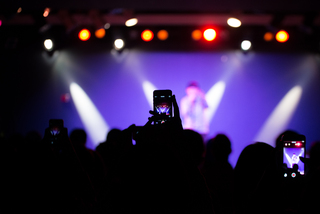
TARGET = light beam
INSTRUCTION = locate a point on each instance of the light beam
(148, 89)
(213, 97)
(280, 117)
(89, 114)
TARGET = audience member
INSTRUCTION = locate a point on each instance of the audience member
(257, 186)
(107, 149)
(168, 171)
(218, 173)
(91, 162)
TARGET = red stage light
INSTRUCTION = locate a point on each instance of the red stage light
(282, 36)
(84, 35)
(65, 98)
(268, 36)
(209, 34)
(196, 35)
(100, 33)
(163, 35)
(147, 35)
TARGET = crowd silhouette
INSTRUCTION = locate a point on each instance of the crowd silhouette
(168, 170)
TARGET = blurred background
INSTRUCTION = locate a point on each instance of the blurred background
(81, 61)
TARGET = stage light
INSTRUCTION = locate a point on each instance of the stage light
(46, 12)
(162, 35)
(19, 10)
(84, 35)
(118, 44)
(48, 44)
(107, 26)
(0, 22)
(209, 34)
(196, 35)
(268, 36)
(147, 35)
(233, 22)
(65, 98)
(282, 36)
(131, 22)
(100, 33)
(245, 45)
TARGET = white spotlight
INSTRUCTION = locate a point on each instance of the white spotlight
(89, 114)
(48, 44)
(233, 22)
(245, 45)
(213, 97)
(280, 117)
(148, 89)
(107, 26)
(131, 22)
(118, 44)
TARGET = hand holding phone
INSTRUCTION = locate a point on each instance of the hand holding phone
(56, 135)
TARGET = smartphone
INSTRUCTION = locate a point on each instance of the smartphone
(55, 126)
(55, 129)
(162, 104)
(293, 149)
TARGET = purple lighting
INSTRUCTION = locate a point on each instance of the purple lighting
(243, 92)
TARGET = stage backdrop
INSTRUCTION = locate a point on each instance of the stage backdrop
(252, 97)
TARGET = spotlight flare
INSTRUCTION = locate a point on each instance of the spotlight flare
(233, 22)
(282, 36)
(196, 35)
(245, 45)
(147, 35)
(84, 35)
(118, 44)
(131, 22)
(48, 44)
(209, 34)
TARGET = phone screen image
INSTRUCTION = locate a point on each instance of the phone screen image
(55, 131)
(162, 101)
(163, 108)
(292, 151)
(55, 126)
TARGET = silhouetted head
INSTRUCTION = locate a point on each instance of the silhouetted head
(218, 148)
(16, 141)
(256, 181)
(113, 136)
(252, 163)
(78, 137)
(33, 137)
(192, 147)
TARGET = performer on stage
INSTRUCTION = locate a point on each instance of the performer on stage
(192, 109)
